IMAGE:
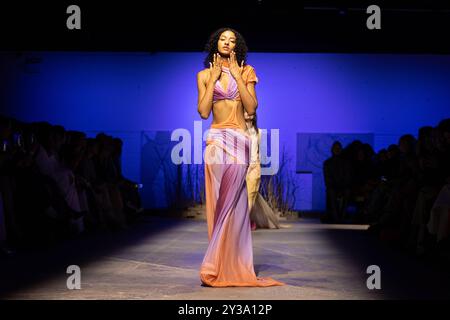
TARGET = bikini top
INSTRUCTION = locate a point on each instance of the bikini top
(231, 93)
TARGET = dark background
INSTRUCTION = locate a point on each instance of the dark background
(269, 26)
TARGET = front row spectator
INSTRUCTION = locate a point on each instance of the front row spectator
(56, 183)
(403, 192)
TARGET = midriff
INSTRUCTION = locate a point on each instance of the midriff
(223, 116)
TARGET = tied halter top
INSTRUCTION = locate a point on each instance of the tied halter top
(231, 93)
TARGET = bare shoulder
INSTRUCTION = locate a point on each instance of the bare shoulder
(203, 74)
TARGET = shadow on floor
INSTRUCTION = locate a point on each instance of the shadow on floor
(403, 276)
(29, 267)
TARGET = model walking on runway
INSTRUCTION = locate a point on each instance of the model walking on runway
(227, 87)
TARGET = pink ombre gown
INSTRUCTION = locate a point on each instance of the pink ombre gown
(229, 258)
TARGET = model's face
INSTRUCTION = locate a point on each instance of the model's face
(226, 43)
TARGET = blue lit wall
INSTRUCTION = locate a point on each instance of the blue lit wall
(125, 93)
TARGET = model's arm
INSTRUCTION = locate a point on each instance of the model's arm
(205, 95)
(206, 87)
(246, 90)
(248, 95)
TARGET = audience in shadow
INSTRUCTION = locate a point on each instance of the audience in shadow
(402, 192)
(56, 184)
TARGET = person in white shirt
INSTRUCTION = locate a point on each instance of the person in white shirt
(261, 214)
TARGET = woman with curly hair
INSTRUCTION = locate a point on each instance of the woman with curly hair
(227, 87)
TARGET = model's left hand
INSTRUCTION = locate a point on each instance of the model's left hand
(235, 69)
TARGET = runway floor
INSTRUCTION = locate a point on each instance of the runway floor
(159, 258)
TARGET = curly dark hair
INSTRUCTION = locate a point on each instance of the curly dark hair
(211, 46)
(255, 122)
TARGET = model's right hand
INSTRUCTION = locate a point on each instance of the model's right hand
(216, 67)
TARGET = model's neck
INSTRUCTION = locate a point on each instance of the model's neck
(225, 62)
